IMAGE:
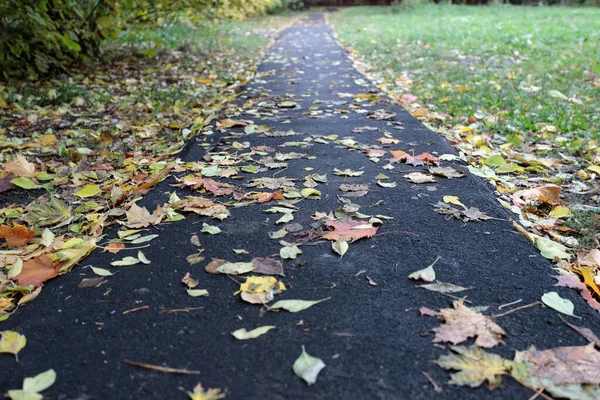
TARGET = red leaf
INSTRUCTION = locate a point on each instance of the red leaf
(37, 271)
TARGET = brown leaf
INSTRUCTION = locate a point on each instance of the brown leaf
(462, 323)
(189, 281)
(212, 266)
(564, 365)
(548, 194)
(139, 217)
(585, 332)
(349, 231)
(17, 235)
(267, 266)
(21, 167)
(201, 206)
(36, 271)
(114, 247)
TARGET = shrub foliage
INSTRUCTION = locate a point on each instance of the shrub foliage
(40, 36)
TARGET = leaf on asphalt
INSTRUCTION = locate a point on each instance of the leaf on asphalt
(260, 289)
(201, 206)
(16, 236)
(443, 287)
(587, 333)
(140, 217)
(12, 342)
(475, 366)
(33, 386)
(466, 214)
(101, 271)
(446, 172)
(426, 274)
(296, 305)
(347, 172)
(563, 365)
(37, 271)
(387, 184)
(419, 177)
(126, 261)
(49, 213)
(142, 258)
(211, 394)
(211, 229)
(267, 266)
(197, 292)
(243, 334)
(462, 323)
(354, 190)
(189, 281)
(308, 367)
(553, 300)
(340, 247)
(551, 249)
(195, 258)
(568, 280)
(549, 194)
(349, 230)
(289, 252)
(238, 268)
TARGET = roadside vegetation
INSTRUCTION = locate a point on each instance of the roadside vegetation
(515, 89)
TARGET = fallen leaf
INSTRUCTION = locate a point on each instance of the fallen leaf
(553, 300)
(287, 252)
(24, 183)
(267, 266)
(551, 249)
(88, 191)
(447, 172)
(37, 271)
(161, 369)
(12, 342)
(462, 323)
(340, 247)
(20, 167)
(349, 230)
(211, 394)
(425, 274)
(564, 365)
(197, 292)
(243, 334)
(101, 271)
(125, 262)
(139, 217)
(33, 386)
(547, 194)
(308, 367)
(189, 281)
(296, 305)
(16, 236)
(587, 333)
(211, 229)
(443, 287)
(418, 177)
(475, 366)
(114, 247)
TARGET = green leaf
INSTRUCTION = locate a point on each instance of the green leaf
(287, 252)
(495, 161)
(551, 249)
(40, 382)
(308, 367)
(211, 229)
(143, 239)
(125, 262)
(101, 271)
(553, 300)
(235, 268)
(88, 191)
(24, 183)
(296, 305)
(142, 258)
(12, 342)
(197, 292)
(70, 44)
(243, 334)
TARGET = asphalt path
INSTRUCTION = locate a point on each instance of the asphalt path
(372, 338)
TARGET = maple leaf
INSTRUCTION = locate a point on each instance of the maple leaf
(49, 213)
(564, 365)
(21, 167)
(201, 206)
(462, 323)
(140, 217)
(349, 230)
(475, 366)
(37, 271)
(211, 394)
(16, 236)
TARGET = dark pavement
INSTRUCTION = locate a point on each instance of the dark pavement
(370, 337)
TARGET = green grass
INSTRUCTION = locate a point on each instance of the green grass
(500, 64)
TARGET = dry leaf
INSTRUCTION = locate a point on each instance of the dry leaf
(462, 323)
(349, 230)
(37, 271)
(20, 167)
(475, 366)
(547, 194)
(267, 266)
(16, 236)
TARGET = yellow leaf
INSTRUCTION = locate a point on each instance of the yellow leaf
(452, 200)
(595, 168)
(12, 342)
(475, 366)
(560, 212)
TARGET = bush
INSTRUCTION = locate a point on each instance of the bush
(40, 36)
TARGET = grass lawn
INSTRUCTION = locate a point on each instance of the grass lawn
(521, 84)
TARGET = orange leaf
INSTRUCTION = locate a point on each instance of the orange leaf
(349, 230)
(37, 271)
(548, 194)
(17, 236)
(114, 247)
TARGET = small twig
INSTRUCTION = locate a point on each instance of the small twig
(136, 309)
(516, 309)
(436, 387)
(456, 297)
(161, 369)
(124, 248)
(178, 310)
(537, 394)
(509, 304)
